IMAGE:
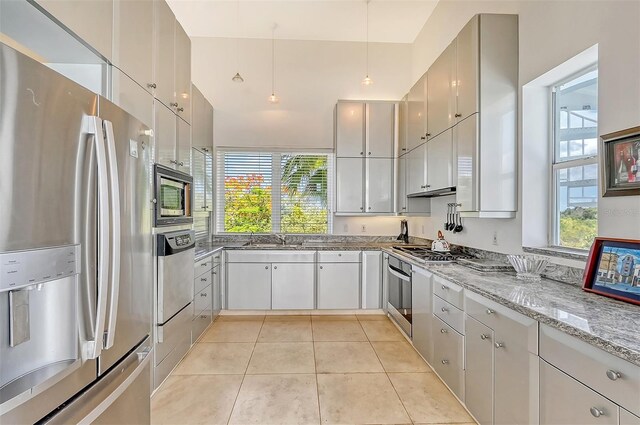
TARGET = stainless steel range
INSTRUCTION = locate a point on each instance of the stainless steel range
(425, 254)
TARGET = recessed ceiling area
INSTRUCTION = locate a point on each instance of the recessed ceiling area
(390, 21)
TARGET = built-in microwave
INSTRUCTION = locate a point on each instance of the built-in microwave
(173, 197)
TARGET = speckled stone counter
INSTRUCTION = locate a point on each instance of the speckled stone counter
(610, 325)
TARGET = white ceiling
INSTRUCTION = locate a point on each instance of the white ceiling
(391, 21)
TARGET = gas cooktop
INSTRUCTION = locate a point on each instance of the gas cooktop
(425, 254)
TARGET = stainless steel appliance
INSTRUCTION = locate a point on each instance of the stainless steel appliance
(399, 296)
(173, 197)
(175, 252)
(424, 254)
(75, 252)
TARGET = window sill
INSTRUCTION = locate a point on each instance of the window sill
(556, 251)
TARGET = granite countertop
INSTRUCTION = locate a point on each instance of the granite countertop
(316, 246)
(610, 325)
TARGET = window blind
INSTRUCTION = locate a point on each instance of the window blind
(273, 192)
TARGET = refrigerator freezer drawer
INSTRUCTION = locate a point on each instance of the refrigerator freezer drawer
(122, 396)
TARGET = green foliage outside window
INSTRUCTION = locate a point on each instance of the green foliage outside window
(578, 227)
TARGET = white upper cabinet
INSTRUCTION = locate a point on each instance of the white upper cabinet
(403, 115)
(417, 170)
(163, 56)
(350, 129)
(201, 121)
(165, 136)
(485, 141)
(91, 20)
(380, 129)
(467, 71)
(366, 135)
(184, 146)
(440, 161)
(134, 99)
(440, 92)
(133, 40)
(416, 114)
(182, 62)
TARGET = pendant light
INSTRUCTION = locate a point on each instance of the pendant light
(237, 78)
(273, 98)
(366, 81)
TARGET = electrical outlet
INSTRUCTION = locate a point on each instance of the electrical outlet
(363, 228)
(495, 237)
(345, 228)
(422, 229)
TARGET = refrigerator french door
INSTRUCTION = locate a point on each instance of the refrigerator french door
(75, 251)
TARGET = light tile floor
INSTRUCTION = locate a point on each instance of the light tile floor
(351, 369)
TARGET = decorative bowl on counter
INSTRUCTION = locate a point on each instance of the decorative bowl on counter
(528, 267)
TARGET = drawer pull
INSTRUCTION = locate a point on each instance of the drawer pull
(203, 279)
(321, 267)
(204, 264)
(444, 288)
(444, 309)
(499, 345)
(275, 267)
(203, 295)
(483, 337)
(266, 267)
(443, 331)
(445, 361)
(489, 311)
(596, 412)
(613, 375)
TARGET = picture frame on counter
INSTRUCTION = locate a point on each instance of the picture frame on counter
(613, 269)
(620, 162)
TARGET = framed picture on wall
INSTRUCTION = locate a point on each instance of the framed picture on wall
(620, 161)
(613, 269)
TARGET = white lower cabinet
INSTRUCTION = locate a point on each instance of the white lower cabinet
(627, 418)
(479, 370)
(448, 356)
(339, 285)
(292, 286)
(422, 312)
(563, 400)
(249, 286)
(371, 279)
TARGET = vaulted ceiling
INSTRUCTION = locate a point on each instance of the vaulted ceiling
(391, 21)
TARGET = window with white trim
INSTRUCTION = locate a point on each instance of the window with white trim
(273, 192)
(574, 215)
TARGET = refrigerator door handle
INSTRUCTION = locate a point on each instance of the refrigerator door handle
(94, 347)
(114, 215)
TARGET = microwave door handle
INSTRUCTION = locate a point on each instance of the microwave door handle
(94, 347)
(114, 213)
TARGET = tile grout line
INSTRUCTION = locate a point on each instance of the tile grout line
(245, 372)
(315, 369)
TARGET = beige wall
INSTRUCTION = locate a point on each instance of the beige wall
(310, 77)
(550, 33)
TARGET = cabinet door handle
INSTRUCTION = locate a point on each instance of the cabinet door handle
(203, 295)
(428, 134)
(499, 345)
(444, 288)
(180, 109)
(204, 264)
(181, 164)
(369, 207)
(369, 153)
(361, 208)
(596, 412)
(152, 85)
(173, 161)
(458, 115)
(203, 279)
(275, 267)
(266, 267)
(445, 361)
(321, 267)
(174, 104)
(484, 336)
(424, 186)
(361, 153)
(422, 137)
(489, 311)
(215, 272)
(443, 331)
(444, 309)
(613, 375)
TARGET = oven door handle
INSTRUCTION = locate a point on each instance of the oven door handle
(398, 274)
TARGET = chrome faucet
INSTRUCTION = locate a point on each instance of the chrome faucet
(251, 238)
(281, 238)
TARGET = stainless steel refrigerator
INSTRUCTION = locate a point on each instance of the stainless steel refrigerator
(75, 252)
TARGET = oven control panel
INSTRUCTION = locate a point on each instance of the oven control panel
(25, 268)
